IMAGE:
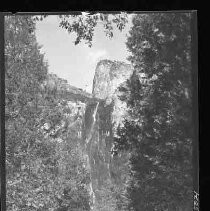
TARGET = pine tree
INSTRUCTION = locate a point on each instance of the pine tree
(158, 132)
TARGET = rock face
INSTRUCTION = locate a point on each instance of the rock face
(100, 122)
(109, 75)
(97, 116)
(66, 91)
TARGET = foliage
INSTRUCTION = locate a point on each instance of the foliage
(84, 25)
(105, 199)
(159, 132)
(44, 165)
(110, 197)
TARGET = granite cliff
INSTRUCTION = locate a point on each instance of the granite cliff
(100, 122)
(96, 117)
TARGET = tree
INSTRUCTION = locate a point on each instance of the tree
(84, 25)
(25, 71)
(42, 170)
(159, 132)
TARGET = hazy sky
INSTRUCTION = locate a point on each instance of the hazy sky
(77, 63)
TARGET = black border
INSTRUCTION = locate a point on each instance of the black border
(98, 5)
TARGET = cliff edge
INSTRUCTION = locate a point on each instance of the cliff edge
(100, 122)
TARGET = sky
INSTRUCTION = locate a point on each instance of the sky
(77, 63)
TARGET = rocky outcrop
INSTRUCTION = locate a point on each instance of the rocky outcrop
(97, 116)
(108, 76)
(101, 120)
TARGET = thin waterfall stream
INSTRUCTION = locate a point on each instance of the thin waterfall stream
(88, 151)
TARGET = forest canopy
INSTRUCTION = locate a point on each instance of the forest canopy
(159, 130)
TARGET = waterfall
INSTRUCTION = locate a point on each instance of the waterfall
(88, 150)
(95, 112)
(92, 126)
(91, 192)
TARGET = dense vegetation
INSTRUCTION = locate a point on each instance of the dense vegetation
(158, 133)
(44, 163)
